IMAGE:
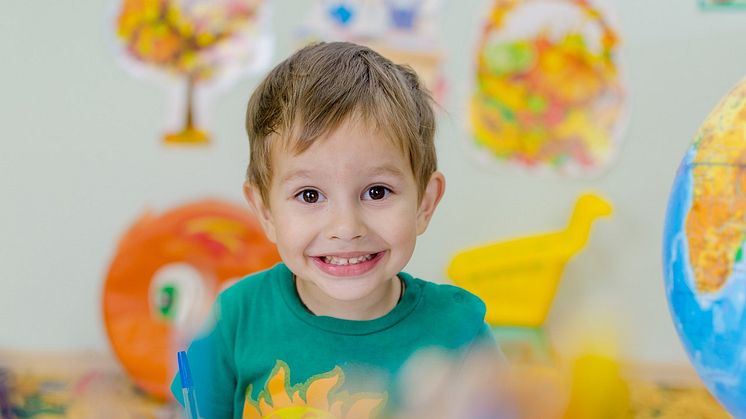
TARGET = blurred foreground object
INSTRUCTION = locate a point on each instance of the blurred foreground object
(598, 390)
(481, 386)
(703, 249)
(79, 385)
(484, 386)
(165, 276)
(89, 385)
(517, 279)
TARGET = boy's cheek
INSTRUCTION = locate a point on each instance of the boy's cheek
(401, 227)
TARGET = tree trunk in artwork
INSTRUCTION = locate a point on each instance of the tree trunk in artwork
(189, 134)
(190, 103)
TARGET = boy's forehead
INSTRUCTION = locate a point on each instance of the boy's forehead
(294, 142)
(369, 154)
(298, 138)
(299, 173)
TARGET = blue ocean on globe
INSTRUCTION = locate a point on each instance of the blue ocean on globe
(712, 326)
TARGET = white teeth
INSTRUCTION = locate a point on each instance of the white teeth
(346, 261)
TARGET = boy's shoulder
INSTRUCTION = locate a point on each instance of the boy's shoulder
(449, 302)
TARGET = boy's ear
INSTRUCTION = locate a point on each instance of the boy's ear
(434, 190)
(261, 211)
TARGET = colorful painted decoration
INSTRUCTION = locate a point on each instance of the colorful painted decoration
(198, 42)
(723, 4)
(548, 91)
(401, 30)
(164, 278)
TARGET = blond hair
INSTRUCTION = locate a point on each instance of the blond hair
(323, 85)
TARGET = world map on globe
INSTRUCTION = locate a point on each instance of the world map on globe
(703, 251)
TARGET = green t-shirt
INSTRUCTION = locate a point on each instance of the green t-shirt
(266, 352)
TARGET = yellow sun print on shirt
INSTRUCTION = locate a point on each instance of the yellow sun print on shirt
(318, 398)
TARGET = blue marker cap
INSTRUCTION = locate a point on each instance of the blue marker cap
(184, 372)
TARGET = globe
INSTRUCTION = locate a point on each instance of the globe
(703, 251)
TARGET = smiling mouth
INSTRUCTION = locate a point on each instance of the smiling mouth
(340, 261)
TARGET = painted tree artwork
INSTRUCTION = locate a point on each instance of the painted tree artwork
(199, 42)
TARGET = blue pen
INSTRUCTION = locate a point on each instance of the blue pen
(187, 387)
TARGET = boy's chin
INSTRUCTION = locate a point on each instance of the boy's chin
(348, 292)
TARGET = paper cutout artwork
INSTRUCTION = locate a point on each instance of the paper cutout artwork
(164, 278)
(197, 43)
(548, 92)
(404, 31)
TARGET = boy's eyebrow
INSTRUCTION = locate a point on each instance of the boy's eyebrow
(296, 174)
(376, 171)
(387, 170)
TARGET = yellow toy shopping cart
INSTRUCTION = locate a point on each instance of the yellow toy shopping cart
(517, 279)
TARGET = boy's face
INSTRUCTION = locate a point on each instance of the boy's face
(345, 216)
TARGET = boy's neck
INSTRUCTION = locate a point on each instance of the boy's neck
(313, 300)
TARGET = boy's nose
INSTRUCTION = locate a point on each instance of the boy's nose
(345, 223)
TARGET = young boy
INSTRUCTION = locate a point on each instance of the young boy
(342, 176)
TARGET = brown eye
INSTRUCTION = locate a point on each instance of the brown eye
(310, 196)
(377, 192)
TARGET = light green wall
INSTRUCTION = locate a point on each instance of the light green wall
(81, 159)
